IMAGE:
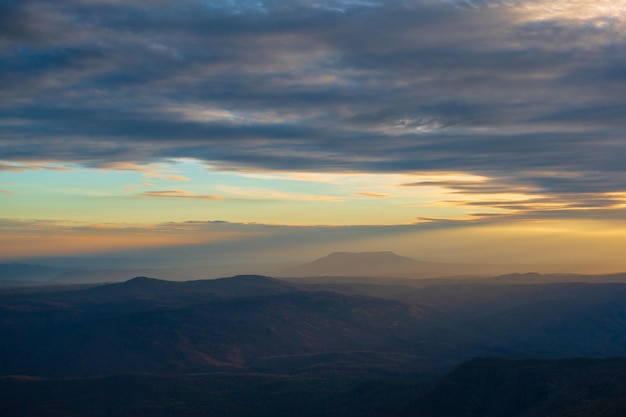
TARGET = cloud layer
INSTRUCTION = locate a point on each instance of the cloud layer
(529, 94)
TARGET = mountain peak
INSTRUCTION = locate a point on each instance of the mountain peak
(366, 255)
(357, 264)
(143, 281)
(253, 279)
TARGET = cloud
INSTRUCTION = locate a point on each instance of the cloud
(149, 170)
(573, 197)
(6, 192)
(168, 177)
(20, 167)
(500, 89)
(252, 193)
(132, 166)
(572, 11)
(179, 194)
(373, 195)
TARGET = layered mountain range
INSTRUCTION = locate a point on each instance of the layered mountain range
(347, 346)
(338, 264)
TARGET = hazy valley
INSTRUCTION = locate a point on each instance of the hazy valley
(318, 345)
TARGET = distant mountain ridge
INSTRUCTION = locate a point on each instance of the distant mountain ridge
(384, 263)
(28, 274)
(18, 274)
(359, 263)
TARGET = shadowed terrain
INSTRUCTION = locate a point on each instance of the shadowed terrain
(254, 345)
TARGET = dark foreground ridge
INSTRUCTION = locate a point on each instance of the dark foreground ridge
(478, 388)
(530, 388)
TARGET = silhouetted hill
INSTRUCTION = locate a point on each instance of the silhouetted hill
(530, 388)
(163, 292)
(92, 276)
(241, 286)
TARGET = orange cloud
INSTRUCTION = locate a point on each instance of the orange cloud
(19, 167)
(168, 177)
(179, 194)
(125, 166)
(373, 195)
(152, 170)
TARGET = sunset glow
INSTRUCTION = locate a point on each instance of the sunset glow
(488, 131)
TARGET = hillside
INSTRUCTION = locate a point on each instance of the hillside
(529, 388)
(148, 325)
(545, 320)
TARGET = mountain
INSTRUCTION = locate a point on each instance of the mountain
(361, 264)
(498, 318)
(259, 323)
(241, 323)
(357, 265)
(181, 273)
(378, 264)
(93, 276)
(16, 274)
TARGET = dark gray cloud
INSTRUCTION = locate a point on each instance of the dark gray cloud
(394, 86)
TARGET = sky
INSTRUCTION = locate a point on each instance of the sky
(245, 131)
